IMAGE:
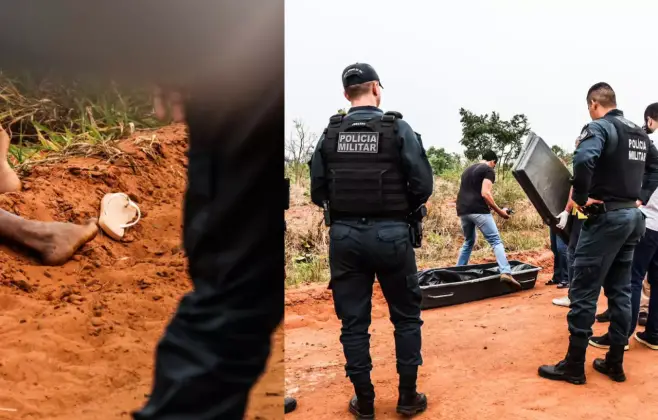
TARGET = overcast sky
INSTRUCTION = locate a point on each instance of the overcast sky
(534, 57)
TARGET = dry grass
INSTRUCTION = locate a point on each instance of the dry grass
(307, 239)
(49, 121)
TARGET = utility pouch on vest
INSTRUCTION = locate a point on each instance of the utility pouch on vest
(416, 225)
(327, 213)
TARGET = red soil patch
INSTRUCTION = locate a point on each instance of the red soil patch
(78, 340)
(480, 361)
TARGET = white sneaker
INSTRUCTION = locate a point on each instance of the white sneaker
(563, 301)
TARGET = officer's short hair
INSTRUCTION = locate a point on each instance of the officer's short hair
(651, 112)
(356, 91)
(603, 94)
(490, 156)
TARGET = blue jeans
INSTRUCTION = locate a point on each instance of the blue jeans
(486, 224)
(645, 261)
(560, 264)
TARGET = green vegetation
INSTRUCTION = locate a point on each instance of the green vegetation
(57, 118)
(307, 241)
(307, 244)
(442, 161)
(484, 132)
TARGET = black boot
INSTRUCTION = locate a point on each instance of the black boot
(571, 369)
(362, 405)
(613, 364)
(289, 405)
(410, 402)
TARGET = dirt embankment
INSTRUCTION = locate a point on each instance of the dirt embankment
(78, 340)
(480, 361)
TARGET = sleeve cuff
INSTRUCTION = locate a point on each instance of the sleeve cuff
(580, 199)
(645, 195)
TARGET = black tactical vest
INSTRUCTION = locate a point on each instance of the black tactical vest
(620, 168)
(364, 169)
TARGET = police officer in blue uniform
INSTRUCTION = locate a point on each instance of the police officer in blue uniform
(614, 167)
(370, 172)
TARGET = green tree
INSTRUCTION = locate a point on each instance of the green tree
(483, 132)
(562, 154)
(442, 161)
(559, 152)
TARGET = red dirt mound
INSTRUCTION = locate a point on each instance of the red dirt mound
(78, 340)
(480, 361)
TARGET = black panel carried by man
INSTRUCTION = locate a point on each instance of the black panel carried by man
(371, 175)
(615, 165)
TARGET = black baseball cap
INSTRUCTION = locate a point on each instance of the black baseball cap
(359, 73)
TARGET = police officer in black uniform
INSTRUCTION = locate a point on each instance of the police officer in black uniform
(370, 173)
(614, 166)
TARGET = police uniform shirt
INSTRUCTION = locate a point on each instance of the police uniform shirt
(415, 164)
(592, 146)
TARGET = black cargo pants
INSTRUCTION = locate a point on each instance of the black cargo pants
(603, 257)
(217, 344)
(359, 251)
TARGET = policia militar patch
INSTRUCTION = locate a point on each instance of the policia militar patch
(360, 142)
(585, 134)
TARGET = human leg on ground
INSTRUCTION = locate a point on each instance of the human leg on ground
(55, 242)
(395, 264)
(9, 181)
(468, 228)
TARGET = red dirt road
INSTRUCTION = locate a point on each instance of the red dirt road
(78, 340)
(480, 362)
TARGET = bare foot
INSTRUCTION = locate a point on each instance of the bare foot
(62, 240)
(9, 181)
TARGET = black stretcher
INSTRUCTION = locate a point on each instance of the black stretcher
(454, 285)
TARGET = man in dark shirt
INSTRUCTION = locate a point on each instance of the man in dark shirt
(474, 201)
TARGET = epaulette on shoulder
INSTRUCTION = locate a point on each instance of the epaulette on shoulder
(391, 116)
(336, 119)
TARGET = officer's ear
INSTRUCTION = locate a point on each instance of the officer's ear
(347, 96)
(376, 90)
